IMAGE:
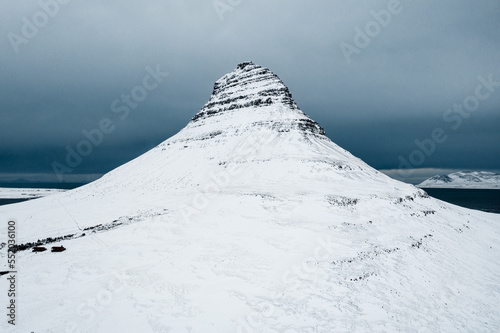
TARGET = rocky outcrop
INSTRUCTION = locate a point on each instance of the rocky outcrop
(255, 87)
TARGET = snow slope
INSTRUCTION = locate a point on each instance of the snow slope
(464, 179)
(26, 193)
(251, 220)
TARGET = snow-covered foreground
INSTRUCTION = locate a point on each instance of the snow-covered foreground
(26, 193)
(251, 220)
(254, 261)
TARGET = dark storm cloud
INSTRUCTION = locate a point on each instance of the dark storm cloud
(375, 102)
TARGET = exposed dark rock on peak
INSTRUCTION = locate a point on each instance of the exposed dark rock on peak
(443, 178)
(249, 87)
(244, 64)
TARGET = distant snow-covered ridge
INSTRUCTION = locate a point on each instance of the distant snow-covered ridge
(465, 180)
(26, 193)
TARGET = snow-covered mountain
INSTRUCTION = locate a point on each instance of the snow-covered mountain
(464, 179)
(251, 220)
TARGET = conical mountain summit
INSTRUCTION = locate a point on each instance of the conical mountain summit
(248, 85)
(250, 138)
(251, 219)
(251, 95)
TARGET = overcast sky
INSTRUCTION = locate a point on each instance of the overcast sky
(377, 75)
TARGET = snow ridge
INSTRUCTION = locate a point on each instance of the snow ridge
(464, 179)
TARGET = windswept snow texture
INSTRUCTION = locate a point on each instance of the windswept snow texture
(464, 179)
(251, 220)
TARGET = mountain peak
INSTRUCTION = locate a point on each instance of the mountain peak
(245, 64)
(248, 85)
(250, 208)
(251, 97)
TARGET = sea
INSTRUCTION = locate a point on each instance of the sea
(485, 200)
(63, 186)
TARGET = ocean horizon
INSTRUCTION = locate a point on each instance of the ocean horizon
(487, 200)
